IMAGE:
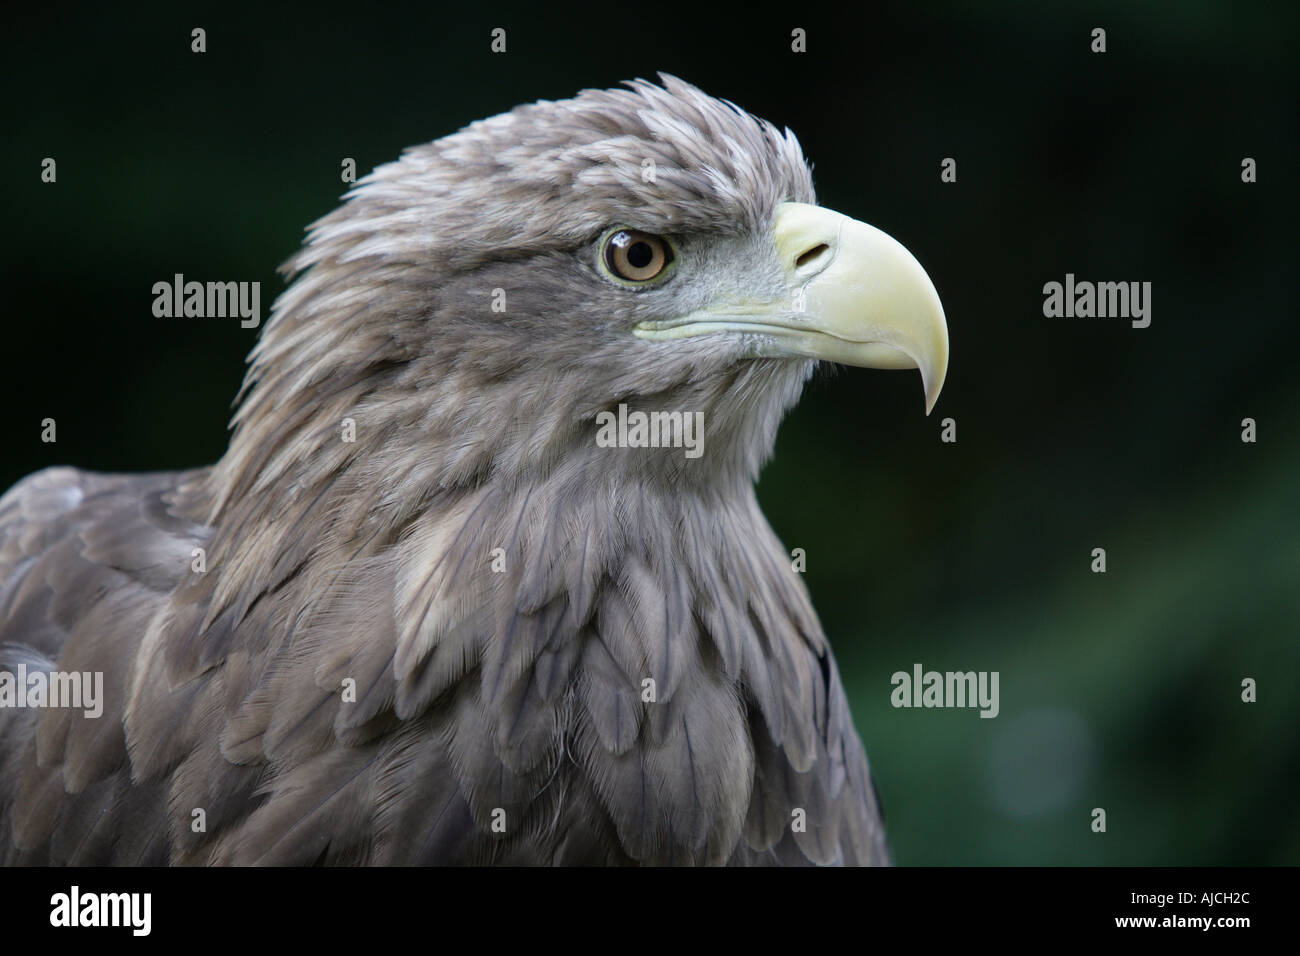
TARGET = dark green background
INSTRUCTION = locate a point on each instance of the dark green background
(1120, 690)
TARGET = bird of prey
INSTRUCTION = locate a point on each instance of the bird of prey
(419, 613)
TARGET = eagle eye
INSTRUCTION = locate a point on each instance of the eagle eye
(636, 257)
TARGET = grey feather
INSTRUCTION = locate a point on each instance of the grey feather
(358, 675)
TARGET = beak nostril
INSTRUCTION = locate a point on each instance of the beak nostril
(815, 254)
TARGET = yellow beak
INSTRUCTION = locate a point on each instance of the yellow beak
(854, 296)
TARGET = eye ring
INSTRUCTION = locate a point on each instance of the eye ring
(634, 258)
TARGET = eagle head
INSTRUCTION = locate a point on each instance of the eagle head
(491, 295)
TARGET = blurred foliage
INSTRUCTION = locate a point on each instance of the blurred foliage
(1119, 690)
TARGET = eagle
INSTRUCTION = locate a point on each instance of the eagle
(430, 606)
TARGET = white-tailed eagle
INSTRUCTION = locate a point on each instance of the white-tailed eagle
(419, 612)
